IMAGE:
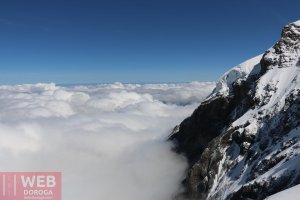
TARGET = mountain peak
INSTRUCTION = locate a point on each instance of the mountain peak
(286, 51)
(291, 26)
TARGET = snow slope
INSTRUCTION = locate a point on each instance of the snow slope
(291, 193)
(238, 73)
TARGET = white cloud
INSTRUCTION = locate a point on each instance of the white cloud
(108, 140)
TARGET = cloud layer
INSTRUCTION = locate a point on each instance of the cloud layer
(108, 140)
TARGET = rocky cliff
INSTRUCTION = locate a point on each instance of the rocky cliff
(243, 141)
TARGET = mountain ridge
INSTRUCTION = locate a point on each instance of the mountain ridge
(243, 141)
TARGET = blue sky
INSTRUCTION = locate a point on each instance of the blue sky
(91, 41)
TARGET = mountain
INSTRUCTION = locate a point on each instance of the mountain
(243, 141)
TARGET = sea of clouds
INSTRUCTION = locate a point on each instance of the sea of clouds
(108, 140)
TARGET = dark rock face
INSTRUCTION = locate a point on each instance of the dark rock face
(210, 118)
(236, 142)
(205, 124)
(198, 135)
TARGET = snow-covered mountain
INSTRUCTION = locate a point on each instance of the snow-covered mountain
(243, 141)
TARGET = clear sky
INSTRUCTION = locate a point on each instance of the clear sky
(94, 41)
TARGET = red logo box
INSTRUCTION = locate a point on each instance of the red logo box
(30, 185)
